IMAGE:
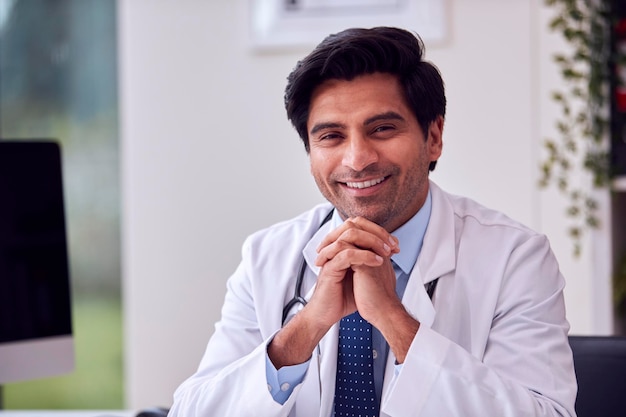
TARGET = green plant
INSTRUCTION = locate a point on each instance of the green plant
(584, 123)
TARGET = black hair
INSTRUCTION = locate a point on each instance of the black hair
(354, 52)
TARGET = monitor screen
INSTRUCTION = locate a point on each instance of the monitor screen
(35, 303)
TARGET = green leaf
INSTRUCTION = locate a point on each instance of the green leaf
(574, 232)
(591, 204)
(558, 96)
(550, 145)
(573, 211)
(583, 125)
(561, 59)
(557, 23)
(576, 15)
(571, 74)
(592, 222)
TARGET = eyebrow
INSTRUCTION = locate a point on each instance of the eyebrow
(328, 125)
(390, 115)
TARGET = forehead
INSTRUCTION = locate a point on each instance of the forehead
(361, 97)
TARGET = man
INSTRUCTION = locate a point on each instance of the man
(396, 299)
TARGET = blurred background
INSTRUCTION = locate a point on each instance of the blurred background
(176, 147)
(58, 80)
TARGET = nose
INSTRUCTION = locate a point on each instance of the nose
(359, 153)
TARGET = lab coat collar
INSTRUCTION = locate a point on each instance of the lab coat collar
(310, 249)
(435, 259)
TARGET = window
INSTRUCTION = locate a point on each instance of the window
(58, 79)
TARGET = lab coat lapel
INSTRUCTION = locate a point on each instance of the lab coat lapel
(436, 259)
(416, 300)
(438, 255)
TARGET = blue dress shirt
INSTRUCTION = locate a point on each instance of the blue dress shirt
(281, 382)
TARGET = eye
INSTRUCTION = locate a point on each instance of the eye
(383, 128)
(329, 136)
(383, 131)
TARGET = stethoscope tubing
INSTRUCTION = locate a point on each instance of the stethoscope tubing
(297, 295)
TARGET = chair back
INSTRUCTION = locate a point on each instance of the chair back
(600, 364)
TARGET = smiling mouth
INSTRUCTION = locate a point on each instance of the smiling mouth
(365, 184)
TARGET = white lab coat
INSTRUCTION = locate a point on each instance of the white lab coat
(493, 341)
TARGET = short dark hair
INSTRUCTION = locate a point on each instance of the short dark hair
(353, 52)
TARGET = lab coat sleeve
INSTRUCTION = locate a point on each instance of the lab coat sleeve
(525, 367)
(231, 379)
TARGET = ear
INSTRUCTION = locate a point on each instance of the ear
(434, 144)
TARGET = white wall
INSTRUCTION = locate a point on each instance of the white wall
(209, 157)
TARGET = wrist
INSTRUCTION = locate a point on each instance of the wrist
(294, 343)
(399, 329)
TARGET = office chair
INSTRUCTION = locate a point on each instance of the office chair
(600, 364)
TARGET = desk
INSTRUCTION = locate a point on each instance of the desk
(66, 413)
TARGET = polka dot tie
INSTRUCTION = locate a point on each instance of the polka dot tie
(355, 395)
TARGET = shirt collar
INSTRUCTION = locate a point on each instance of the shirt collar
(411, 237)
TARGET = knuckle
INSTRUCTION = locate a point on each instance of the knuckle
(342, 245)
(350, 235)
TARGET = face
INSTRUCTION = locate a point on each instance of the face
(368, 153)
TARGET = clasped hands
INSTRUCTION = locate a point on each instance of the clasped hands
(355, 274)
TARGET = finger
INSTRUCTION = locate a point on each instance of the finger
(360, 223)
(377, 230)
(353, 238)
(353, 257)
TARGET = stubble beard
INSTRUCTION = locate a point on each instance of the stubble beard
(389, 211)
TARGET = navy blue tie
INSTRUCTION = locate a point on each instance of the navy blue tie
(355, 394)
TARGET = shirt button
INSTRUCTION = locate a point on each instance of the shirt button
(374, 353)
(284, 387)
(269, 387)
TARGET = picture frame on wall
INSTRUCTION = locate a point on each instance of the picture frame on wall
(279, 24)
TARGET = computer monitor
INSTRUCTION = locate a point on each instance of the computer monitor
(36, 338)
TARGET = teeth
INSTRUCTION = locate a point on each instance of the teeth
(365, 184)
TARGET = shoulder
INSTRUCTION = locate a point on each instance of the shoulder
(490, 243)
(476, 228)
(467, 211)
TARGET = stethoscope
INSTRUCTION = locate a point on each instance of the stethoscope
(297, 295)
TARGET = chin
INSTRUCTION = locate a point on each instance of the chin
(378, 216)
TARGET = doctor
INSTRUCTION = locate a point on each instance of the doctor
(461, 307)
